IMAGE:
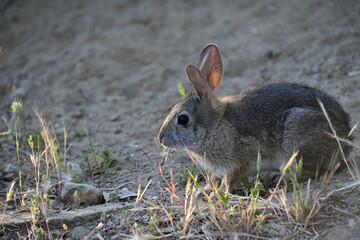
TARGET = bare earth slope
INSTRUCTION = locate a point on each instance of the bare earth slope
(116, 64)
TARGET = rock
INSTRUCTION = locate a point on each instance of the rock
(86, 194)
(8, 172)
(80, 232)
(351, 223)
(275, 229)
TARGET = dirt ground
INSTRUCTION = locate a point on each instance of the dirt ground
(115, 64)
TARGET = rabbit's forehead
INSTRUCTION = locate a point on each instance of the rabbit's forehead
(189, 105)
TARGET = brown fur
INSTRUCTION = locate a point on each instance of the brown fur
(225, 134)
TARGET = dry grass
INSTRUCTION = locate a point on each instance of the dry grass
(229, 216)
(38, 148)
(181, 213)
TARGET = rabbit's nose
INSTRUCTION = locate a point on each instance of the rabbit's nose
(160, 138)
(165, 140)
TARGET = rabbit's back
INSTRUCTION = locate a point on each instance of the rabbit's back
(261, 107)
(281, 118)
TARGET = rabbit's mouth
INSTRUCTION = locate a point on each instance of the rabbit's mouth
(177, 143)
(169, 142)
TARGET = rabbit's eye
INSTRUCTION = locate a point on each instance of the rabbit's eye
(183, 119)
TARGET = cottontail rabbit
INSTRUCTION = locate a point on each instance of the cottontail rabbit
(225, 134)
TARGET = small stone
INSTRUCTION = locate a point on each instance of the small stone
(80, 232)
(86, 194)
(353, 73)
(351, 223)
(118, 131)
(276, 229)
(78, 114)
(115, 117)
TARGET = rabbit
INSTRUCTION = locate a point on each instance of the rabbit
(226, 134)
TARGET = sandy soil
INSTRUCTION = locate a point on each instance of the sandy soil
(115, 64)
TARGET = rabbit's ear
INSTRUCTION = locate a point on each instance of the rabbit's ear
(210, 65)
(201, 86)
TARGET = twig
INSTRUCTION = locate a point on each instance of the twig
(353, 184)
(336, 136)
(115, 188)
(344, 141)
(154, 208)
(98, 236)
(146, 155)
(140, 196)
(124, 235)
(221, 234)
(346, 212)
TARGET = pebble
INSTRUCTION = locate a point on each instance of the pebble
(80, 232)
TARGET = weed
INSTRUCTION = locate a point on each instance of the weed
(52, 153)
(113, 195)
(39, 145)
(107, 157)
(182, 177)
(181, 90)
(154, 221)
(35, 208)
(91, 146)
(102, 160)
(73, 171)
(16, 107)
(10, 192)
(76, 197)
(305, 202)
(221, 210)
(354, 170)
(80, 133)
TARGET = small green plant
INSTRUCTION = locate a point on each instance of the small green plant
(16, 107)
(36, 208)
(39, 233)
(80, 133)
(65, 227)
(113, 195)
(185, 174)
(103, 160)
(107, 157)
(73, 172)
(154, 221)
(76, 197)
(86, 164)
(66, 230)
(46, 200)
(91, 146)
(181, 90)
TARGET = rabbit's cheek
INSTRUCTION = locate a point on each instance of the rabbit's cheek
(167, 142)
(192, 137)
